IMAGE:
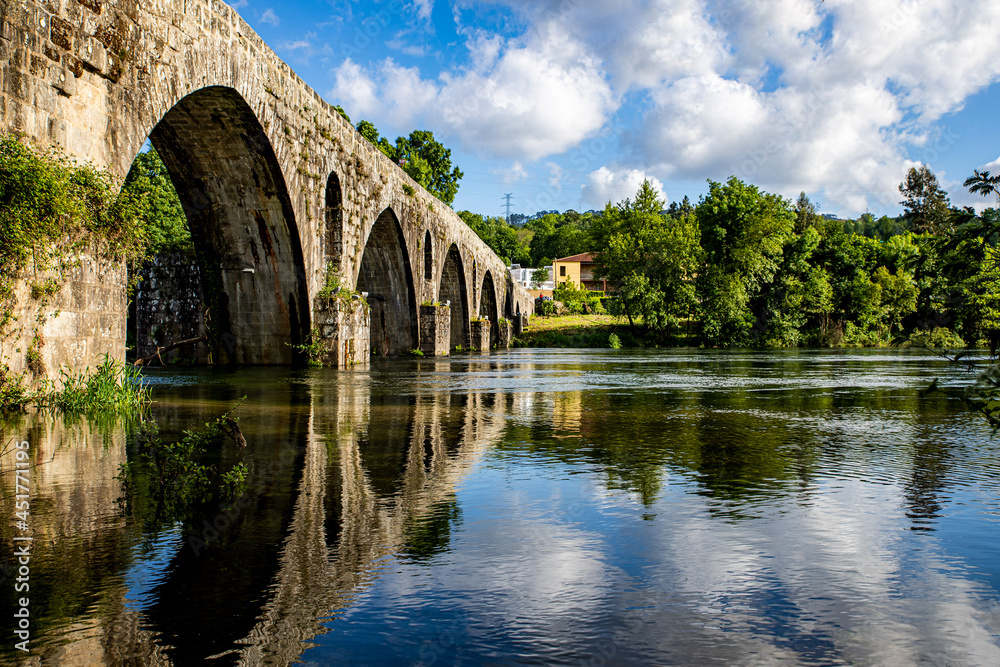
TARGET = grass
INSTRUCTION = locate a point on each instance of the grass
(592, 331)
(568, 331)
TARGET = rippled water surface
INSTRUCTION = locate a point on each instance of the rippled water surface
(533, 507)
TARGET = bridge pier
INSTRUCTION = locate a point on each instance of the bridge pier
(344, 325)
(481, 334)
(435, 330)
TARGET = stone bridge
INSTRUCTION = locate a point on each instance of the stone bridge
(278, 188)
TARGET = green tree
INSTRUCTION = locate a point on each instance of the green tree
(422, 157)
(898, 295)
(557, 235)
(805, 214)
(743, 232)
(651, 259)
(166, 225)
(540, 277)
(498, 235)
(924, 202)
(981, 183)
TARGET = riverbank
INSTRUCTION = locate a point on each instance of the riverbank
(585, 331)
(595, 331)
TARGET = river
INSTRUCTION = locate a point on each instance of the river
(530, 507)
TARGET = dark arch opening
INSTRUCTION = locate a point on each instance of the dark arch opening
(385, 276)
(488, 307)
(453, 289)
(508, 297)
(334, 236)
(428, 257)
(242, 225)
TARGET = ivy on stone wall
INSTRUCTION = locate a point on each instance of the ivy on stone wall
(51, 208)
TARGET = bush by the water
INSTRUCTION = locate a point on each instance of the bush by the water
(113, 387)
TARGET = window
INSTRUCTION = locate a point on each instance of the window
(562, 271)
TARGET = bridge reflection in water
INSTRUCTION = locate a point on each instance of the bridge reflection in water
(340, 480)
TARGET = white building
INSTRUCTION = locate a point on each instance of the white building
(525, 277)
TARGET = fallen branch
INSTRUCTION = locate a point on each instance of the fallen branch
(145, 361)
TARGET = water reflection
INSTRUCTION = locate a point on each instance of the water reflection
(557, 508)
(340, 480)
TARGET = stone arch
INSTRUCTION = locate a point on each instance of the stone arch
(385, 275)
(508, 297)
(334, 214)
(428, 256)
(453, 289)
(243, 225)
(488, 306)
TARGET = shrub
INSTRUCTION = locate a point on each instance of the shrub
(939, 338)
(52, 208)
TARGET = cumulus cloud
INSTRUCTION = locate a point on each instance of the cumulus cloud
(517, 99)
(838, 97)
(555, 174)
(607, 185)
(270, 17)
(514, 174)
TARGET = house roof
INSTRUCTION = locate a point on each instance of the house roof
(582, 258)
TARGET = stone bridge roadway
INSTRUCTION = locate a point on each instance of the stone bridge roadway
(276, 185)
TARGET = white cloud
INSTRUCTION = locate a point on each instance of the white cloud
(513, 174)
(555, 175)
(238, 4)
(424, 9)
(605, 185)
(270, 17)
(838, 97)
(354, 90)
(515, 99)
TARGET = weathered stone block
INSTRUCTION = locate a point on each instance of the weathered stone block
(435, 330)
(93, 55)
(61, 33)
(481, 334)
(344, 325)
(504, 334)
(63, 81)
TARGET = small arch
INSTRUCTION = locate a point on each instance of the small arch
(453, 289)
(334, 232)
(428, 256)
(385, 275)
(488, 307)
(508, 297)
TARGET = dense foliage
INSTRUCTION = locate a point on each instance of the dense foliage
(166, 225)
(423, 157)
(747, 268)
(51, 208)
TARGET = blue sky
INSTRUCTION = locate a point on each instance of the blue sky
(571, 103)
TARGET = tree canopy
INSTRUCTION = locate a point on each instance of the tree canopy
(422, 157)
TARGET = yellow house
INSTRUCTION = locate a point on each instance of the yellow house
(579, 269)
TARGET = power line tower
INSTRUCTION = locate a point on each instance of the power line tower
(508, 197)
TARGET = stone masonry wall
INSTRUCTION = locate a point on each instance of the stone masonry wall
(481, 335)
(435, 330)
(344, 326)
(169, 308)
(72, 328)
